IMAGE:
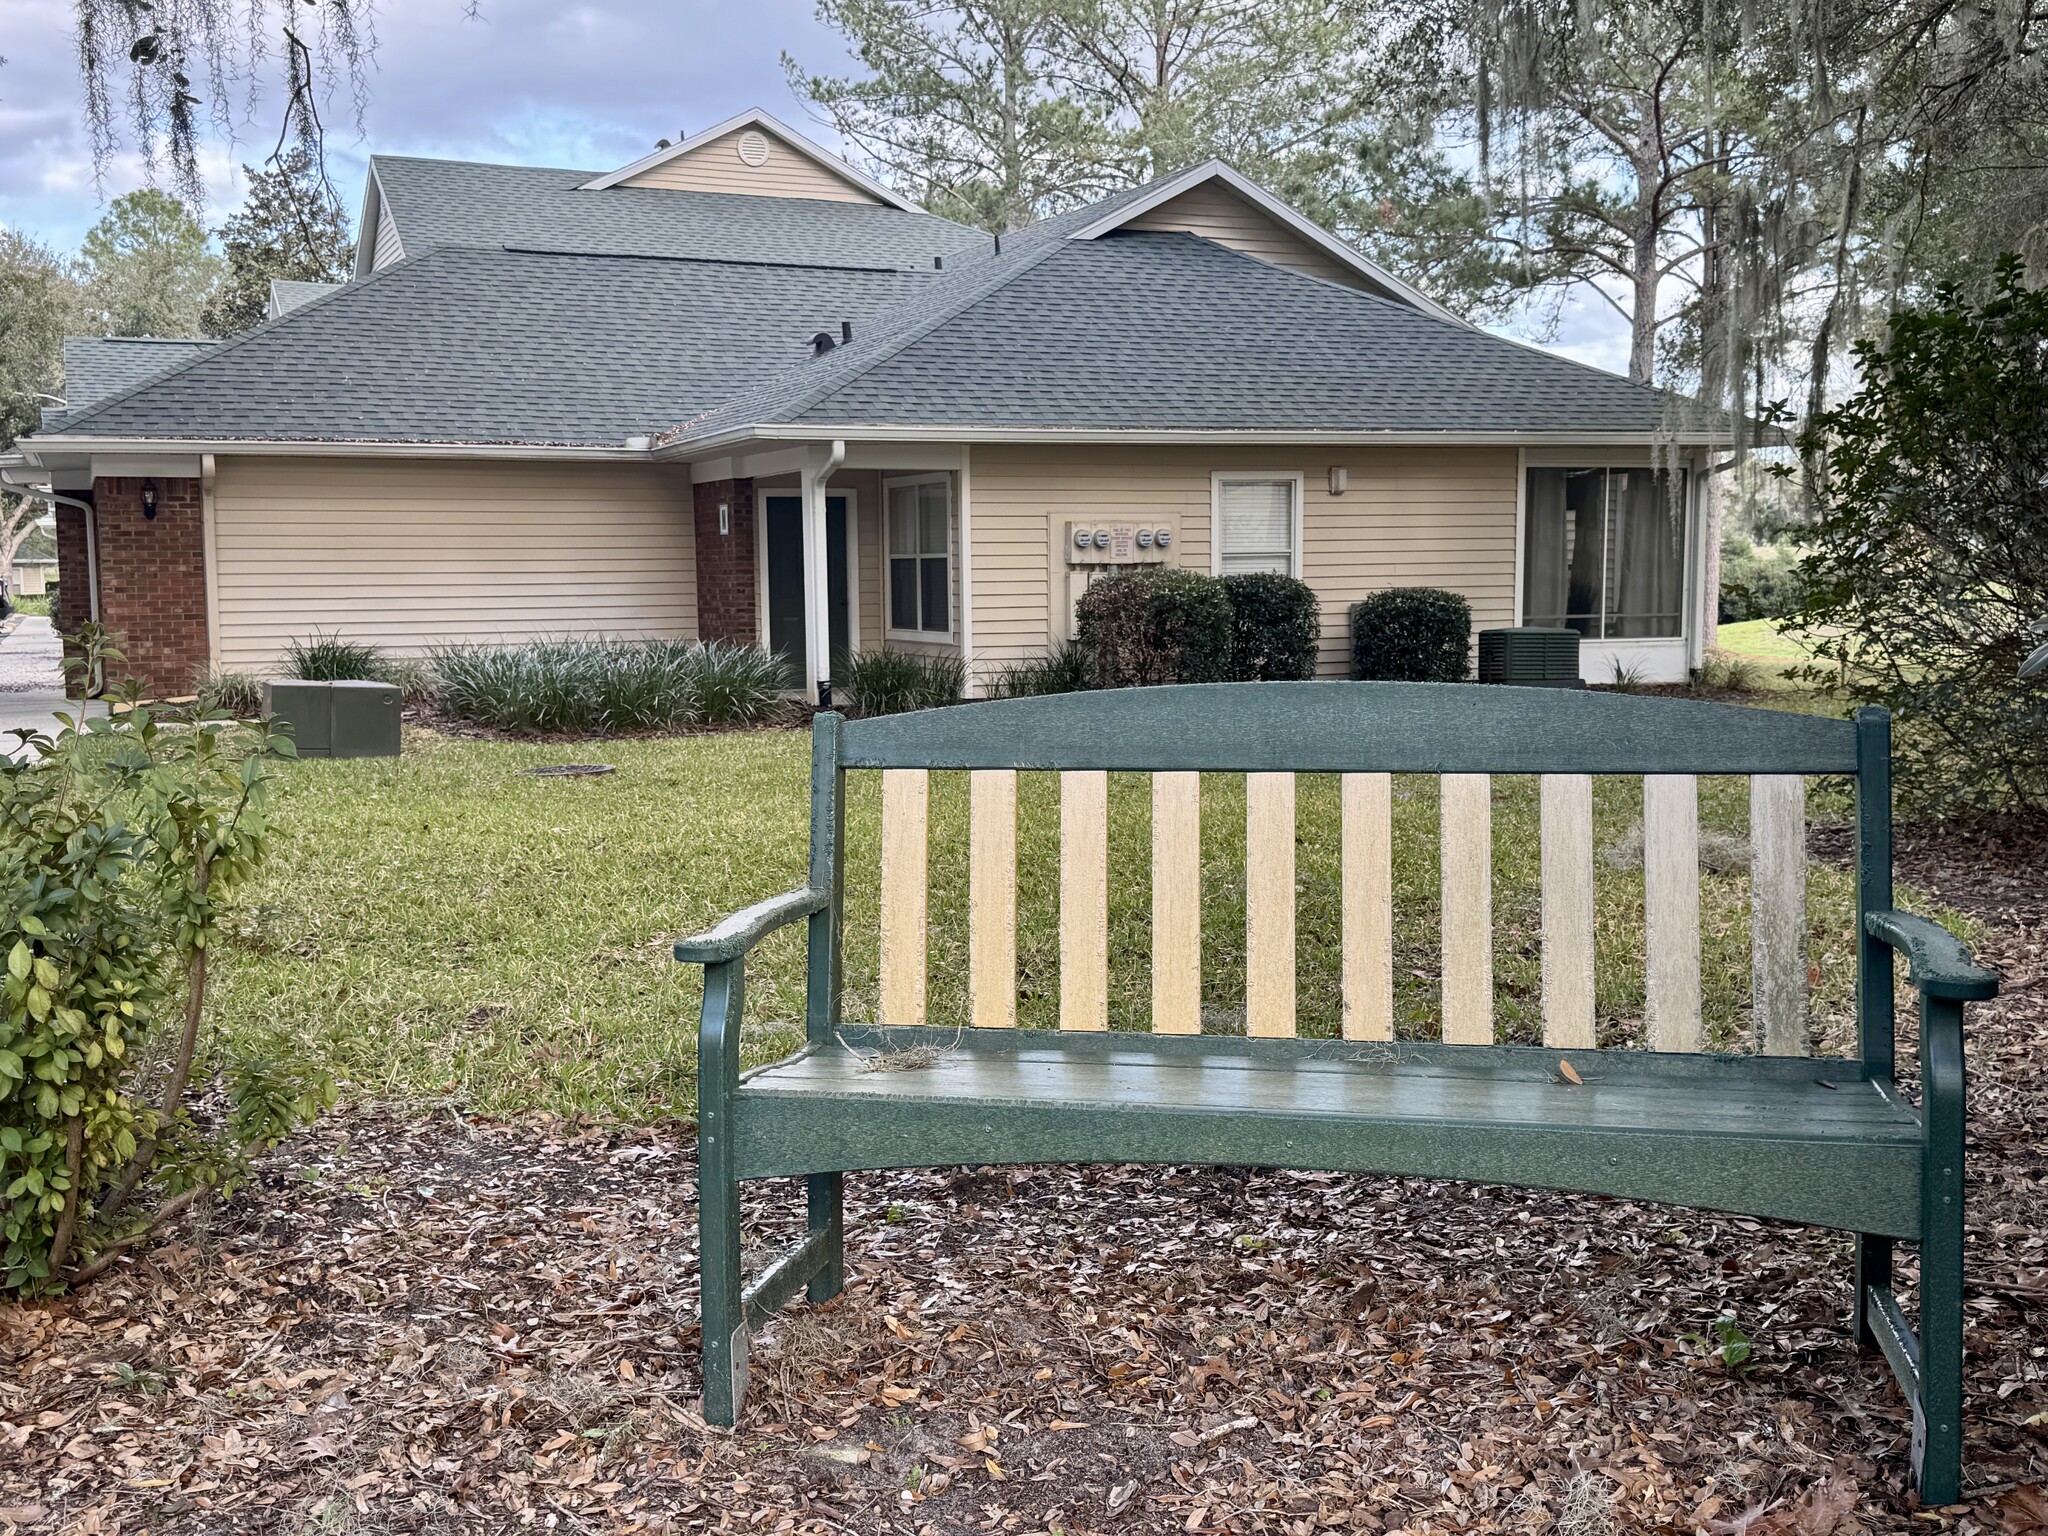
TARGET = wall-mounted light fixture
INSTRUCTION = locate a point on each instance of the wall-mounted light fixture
(149, 498)
(725, 517)
(1340, 479)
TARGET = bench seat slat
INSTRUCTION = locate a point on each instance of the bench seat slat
(1726, 1133)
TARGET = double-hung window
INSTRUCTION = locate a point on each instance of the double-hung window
(1603, 552)
(1257, 524)
(920, 558)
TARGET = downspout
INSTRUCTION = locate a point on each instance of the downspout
(817, 573)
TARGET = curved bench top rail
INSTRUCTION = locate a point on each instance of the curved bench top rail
(1342, 727)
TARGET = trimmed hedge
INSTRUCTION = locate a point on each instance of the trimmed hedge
(1153, 627)
(1277, 623)
(1412, 635)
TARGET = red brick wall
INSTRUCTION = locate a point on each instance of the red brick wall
(726, 605)
(153, 581)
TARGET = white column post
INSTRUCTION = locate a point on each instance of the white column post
(816, 473)
(973, 689)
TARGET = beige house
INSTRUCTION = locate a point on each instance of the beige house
(737, 389)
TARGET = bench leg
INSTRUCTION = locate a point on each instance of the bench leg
(827, 1198)
(1873, 1267)
(722, 1307)
(1941, 1251)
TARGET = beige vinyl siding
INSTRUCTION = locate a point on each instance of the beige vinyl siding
(1216, 213)
(412, 553)
(1411, 517)
(388, 248)
(717, 167)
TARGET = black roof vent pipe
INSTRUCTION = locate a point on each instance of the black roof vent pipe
(822, 343)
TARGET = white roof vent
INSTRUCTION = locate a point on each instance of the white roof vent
(753, 147)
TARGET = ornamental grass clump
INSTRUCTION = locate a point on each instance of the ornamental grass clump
(331, 659)
(596, 687)
(893, 682)
(125, 838)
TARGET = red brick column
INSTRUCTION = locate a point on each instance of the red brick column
(153, 581)
(726, 605)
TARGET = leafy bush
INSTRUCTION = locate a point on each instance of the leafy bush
(331, 659)
(1926, 573)
(1718, 672)
(1059, 670)
(586, 687)
(1278, 622)
(238, 694)
(1150, 627)
(43, 604)
(411, 676)
(893, 682)
(1412, 635)
(124, 839)
(1758, 586)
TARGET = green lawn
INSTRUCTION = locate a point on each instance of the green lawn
(1761, 641)
(445, 928)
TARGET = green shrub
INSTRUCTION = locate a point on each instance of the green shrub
(331, 659)
(586, 687)
(1277, 623)
(221, 691)
(43, 604)
(893, 682)
(1924, 575)
(1154, 627)
(1412, 635)
(1756, 585)
(122, 843)
(1059, 670)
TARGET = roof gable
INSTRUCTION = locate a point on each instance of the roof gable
(1218, 203)
(756, 155)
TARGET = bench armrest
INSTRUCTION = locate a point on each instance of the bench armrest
(1941, 963)
(743, 930)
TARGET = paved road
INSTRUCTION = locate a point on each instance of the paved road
(31, 679)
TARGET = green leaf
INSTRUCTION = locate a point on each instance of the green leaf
(20, 960)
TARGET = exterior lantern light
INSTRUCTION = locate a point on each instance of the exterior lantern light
(149, 499)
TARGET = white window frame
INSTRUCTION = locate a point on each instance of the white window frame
(922, 636)
(1222, 477)
(1691, 620)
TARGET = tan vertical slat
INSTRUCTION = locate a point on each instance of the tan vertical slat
(1177, 903)
(1084, 900)
(1368, 877)
(906, 806)
(1671, 912)
(1269, 904)
(1777, 912)
(1568, 910)
(1467, 819)
(992, 897)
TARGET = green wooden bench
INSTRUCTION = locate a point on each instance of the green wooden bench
(1824, 1141)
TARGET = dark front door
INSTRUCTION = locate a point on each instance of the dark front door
(785, 533)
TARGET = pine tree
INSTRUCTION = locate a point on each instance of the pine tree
(290, 226)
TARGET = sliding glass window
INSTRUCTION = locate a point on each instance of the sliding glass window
(1603, 552)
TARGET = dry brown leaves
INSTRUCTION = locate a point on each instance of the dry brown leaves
(430, 1324)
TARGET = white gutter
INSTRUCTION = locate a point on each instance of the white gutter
(38, 449)
(690, 448)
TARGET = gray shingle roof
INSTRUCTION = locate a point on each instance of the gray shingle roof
(503, 346)
(440, 203)
(287, 294)
(97, 367)
(1170, 332)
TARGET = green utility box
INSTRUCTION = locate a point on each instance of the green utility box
(350, 719)
(1530, 657)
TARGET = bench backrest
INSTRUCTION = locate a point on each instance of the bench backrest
(1364, 732)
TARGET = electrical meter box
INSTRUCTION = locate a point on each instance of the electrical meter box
(1096, 547)
(346, 719)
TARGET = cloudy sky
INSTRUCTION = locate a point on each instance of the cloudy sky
(535, 82)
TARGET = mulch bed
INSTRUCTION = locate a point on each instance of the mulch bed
(435, 1324)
